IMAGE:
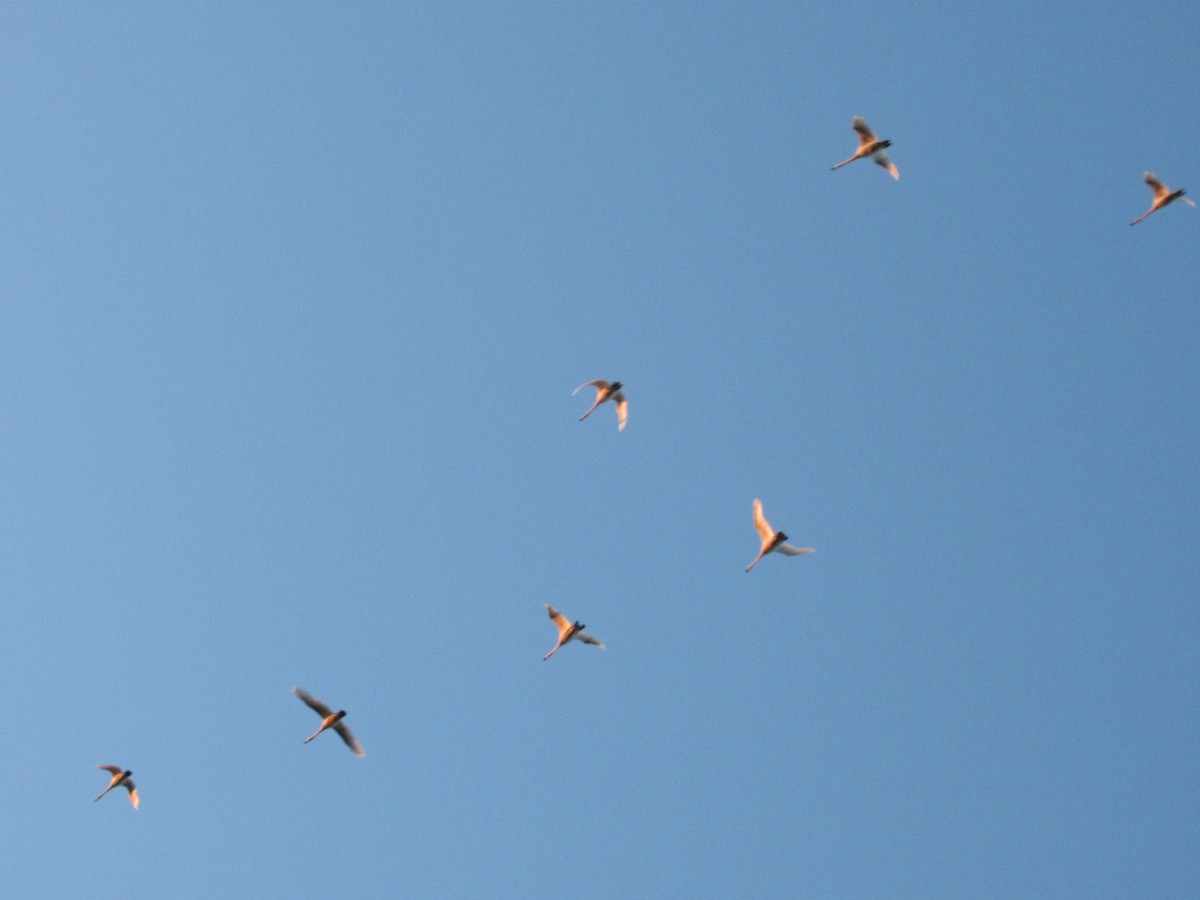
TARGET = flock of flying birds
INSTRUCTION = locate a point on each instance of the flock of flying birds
(869, 145)
(329, 719)
(772, 541)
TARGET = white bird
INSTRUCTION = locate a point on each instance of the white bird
(120, 777)
(772, 540)
(568, 631)
(869, 145)
(329, 719)
(1163, 195)
(606, 391)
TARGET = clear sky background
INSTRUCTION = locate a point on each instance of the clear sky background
(294, 299)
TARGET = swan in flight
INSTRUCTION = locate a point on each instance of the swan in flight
(772, 540)
(568, 631)
(869, 145)
(1162, 196)
(120, 777)
(329, 719)
(606, 391)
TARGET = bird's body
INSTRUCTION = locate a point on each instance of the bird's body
(607, 391)
(120, 777)
(568, 631)
(869, 145)
(772, 540)
(329, 719)
(1163, 196)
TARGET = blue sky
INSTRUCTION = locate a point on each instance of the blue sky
(295, 299)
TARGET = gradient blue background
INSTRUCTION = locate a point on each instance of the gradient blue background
(294, 298)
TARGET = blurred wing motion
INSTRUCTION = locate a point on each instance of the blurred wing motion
(789, 550)
(588, 639)
(765, 531)
(1156, 185)
(881, 159)
(558, 619)
(866, 137)
(622, 410)
(350, 739)
(313, 703)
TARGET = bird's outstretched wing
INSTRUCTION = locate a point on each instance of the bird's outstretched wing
(765, 531)
(588, 639)
(881, 159)
(313, 703)
(622, 410)
(350, 739)
(599, 384)
(1156, 185)
(789, 550)
(865, 134)
(133, 797)
(559, 619)
(116, 770)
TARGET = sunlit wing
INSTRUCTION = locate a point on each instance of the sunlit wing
(313, 703)
(133, 795)
(765, 531)
(599, 384)
(559, 619)
(622, 410)
(1155, 185)
(116, 770)
(881, 159)
(865, 134)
